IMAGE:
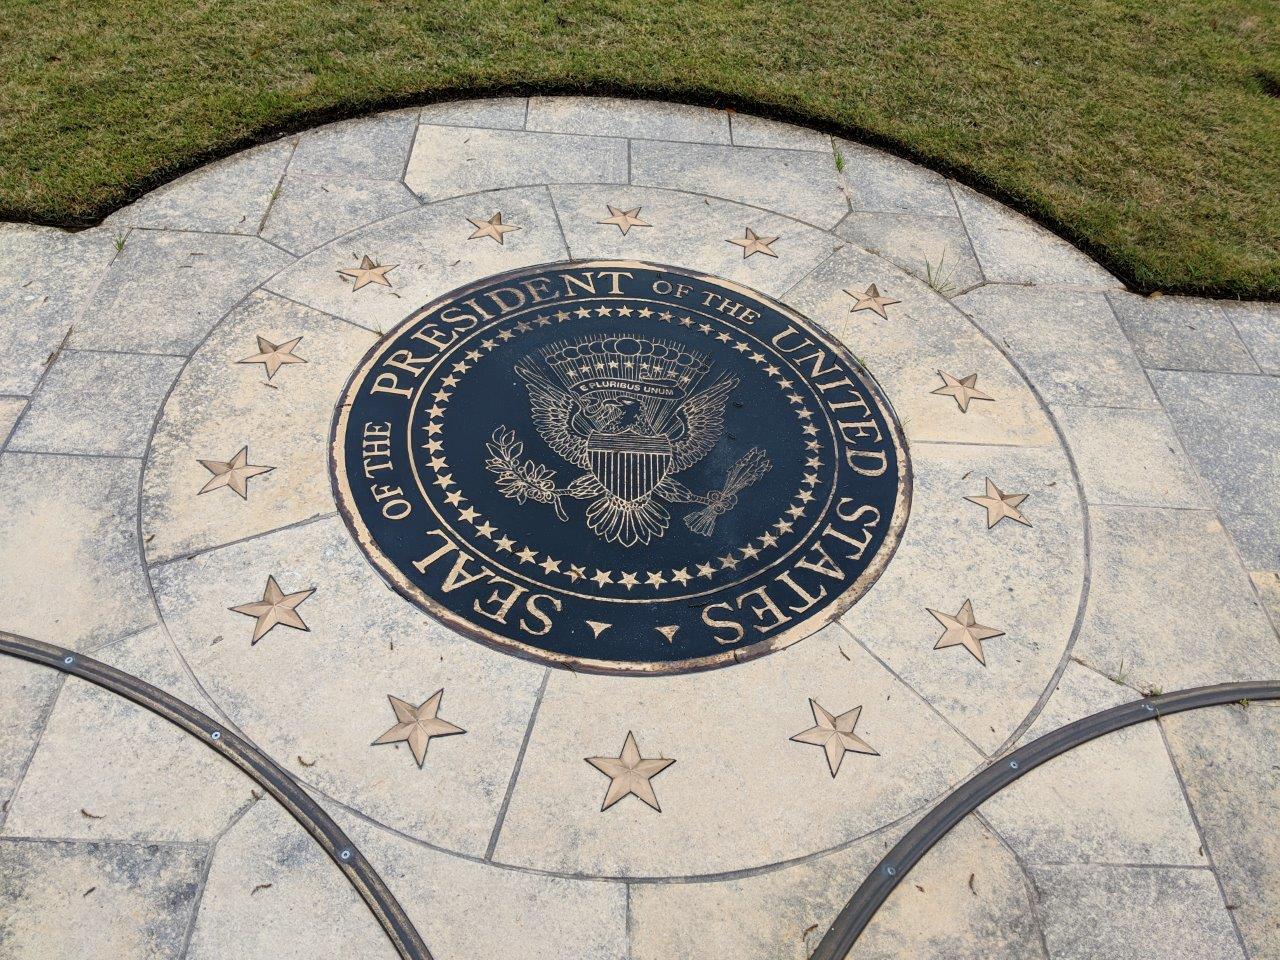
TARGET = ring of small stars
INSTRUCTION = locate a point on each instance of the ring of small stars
(705, 572)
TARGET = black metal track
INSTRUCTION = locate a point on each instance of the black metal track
(843, 932)
(893, 869)
(256, 765)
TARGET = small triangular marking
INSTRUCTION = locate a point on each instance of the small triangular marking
(669, 632)
(597, 627)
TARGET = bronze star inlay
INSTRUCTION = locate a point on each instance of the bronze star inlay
(834, 735)
(752, 243)
(276, 608)
(963, 630)
(871, 300)
(233, 474)
(1000, 505)
(493, 228)
(624, 220)
(417, 725)
(368, 272)
(629, 774)
(273, 356)
(962, 390)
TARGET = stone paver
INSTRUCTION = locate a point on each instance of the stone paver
(299, 691)
(1091, 520)
(876, 183)
(448, 161)
(1169, 606)
(280, 419)
(1258, 325)
(935, 249)
(69, 563)
(502, 113)
(749, 131)
(1034, 602)
(1114, 800)
(97, 403)
(10, 409)
(1068, 342)
(799, 183)
(126, 901)
(1267, 583)
(825, 811)
(165, 290)
(1124, 912)
(1012, 249)
(1227, 758)
(527, 916)
(1129, 457)
(1177, 333)
(691, 230)
(230, 196)
(1229, 427)
(968, 899)
(909, 348)
(45, 277)
(605, 117)
(372, 148)
(30, 691)
(130, 779)
(273, 894)
(311, 211)
(430, 251)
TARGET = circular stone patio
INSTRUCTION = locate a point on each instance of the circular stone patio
(340, 442)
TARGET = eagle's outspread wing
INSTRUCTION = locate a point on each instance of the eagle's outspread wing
(552, 410)
(704, 414)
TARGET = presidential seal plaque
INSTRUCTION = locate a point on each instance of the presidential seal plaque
(620, 467)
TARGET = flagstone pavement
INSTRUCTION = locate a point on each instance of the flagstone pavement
(167, 385)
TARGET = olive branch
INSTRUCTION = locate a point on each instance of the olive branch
(521, 481)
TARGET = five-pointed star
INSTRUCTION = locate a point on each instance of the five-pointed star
(368, 272)
(273, 356)
(963, 390)
(871, 300)
(1001, 505)
(493, 227)
(624, 220)
(835, 735)
(629, 773)
(233, 474)
(418, 725)
(276, 607)
(963, 630)
(754, 243)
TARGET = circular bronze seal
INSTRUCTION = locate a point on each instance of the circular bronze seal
(620, 467)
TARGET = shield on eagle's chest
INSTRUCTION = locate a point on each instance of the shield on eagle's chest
(629, 465)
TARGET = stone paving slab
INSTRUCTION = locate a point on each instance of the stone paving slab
(165, 290)
(70, 570)
(1226, 757)
(935, 249)
(230, 196)
(297, 437)
(129, 780)
(1120, 911)
(96, 403)
(310, 211)
(45, 277)
(1176, 333)
(135, 900)
(1230, 429)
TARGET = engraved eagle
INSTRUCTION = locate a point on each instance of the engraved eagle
(631, 413)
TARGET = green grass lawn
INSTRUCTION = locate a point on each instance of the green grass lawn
(1148, 133)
